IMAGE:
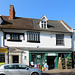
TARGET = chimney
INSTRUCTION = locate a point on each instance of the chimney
(12, 12)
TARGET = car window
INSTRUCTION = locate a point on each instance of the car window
(9, 67)
(22, 67)
(15, 67)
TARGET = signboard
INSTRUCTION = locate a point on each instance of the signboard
(51, 54)
(3, 50)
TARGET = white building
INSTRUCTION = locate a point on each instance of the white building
(38, 40)
(73, 46)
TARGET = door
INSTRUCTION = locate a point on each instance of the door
(51, 62)
(15, 59)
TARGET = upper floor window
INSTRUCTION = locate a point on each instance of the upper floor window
(59, 39)
(43, 22)
(14, 36)
(33, 37)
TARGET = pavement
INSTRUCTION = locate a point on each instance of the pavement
(59, 72)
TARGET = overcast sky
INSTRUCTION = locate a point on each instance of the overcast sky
(53, 9)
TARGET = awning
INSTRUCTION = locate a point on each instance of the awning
(3, 50)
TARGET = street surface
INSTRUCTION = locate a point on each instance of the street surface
(59, 72)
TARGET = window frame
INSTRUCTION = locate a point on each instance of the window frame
(35, 37)
(60, 38)
(14, 36)
(43, 24)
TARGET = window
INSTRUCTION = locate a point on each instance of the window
(33, 37)
(2, 57)
(44, 24)
(15, 67)
(14, 36)
(59, 39)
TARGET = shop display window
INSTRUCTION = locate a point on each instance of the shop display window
(38, 59)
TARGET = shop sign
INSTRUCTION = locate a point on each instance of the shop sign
(51, 54)
(38, 56)
(3, 50)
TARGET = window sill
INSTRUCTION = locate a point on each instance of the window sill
(14, 40)
(33, 41)
(60, 45)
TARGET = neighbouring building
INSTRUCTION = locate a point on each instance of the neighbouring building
(73, 47)
(23, 40)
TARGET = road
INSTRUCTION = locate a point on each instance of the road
(60, 72)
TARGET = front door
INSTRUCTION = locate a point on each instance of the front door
(15, 59)
(51, 62)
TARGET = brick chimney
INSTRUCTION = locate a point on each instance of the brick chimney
(12, 12)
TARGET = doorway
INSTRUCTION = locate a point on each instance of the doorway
(15, 59)
(51, 62)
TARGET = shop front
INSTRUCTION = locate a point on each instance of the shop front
(51, 58)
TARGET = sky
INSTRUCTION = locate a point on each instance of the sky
(53, 9)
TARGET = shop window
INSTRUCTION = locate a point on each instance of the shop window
(33, 37)
(38, 59)
(59, 39)
(2, 57)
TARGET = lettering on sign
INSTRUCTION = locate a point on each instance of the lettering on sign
(51, 54)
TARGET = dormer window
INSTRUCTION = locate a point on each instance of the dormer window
(43, 22)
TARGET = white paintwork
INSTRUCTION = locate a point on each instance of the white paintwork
(66, 26)
(73, 40)
(40, 24)
(7, 36)
(1, 39)
(21, 37)
(43, 17)
(47, 40)
(25, 60)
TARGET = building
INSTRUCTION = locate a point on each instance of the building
(23, 40)
(73, 47)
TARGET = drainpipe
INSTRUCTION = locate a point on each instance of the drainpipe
(5, 46)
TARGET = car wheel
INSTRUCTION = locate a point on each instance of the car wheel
(35, 73)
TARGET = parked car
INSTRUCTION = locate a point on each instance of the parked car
(18, 69)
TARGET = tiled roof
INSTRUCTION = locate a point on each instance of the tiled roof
(31, 24)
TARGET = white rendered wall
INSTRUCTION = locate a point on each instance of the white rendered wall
(73, 41)
(1, 39)
(47, 40)
(25, 60)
